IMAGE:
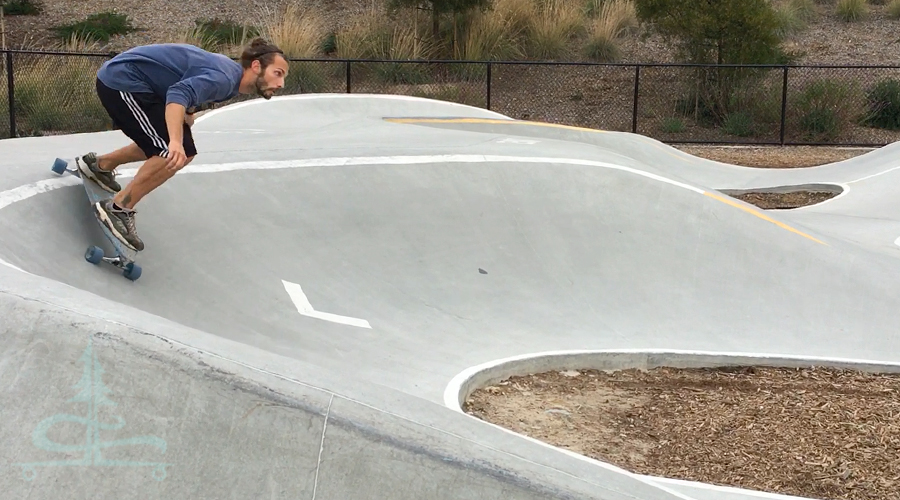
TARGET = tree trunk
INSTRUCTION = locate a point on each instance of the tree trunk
(435, 23)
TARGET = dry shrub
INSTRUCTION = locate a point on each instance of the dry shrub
(496, 34)
(298, 32)
(826, 108)
(613, 19)
(197, 37)
(893, 9)
(553, 28)
(793, 16)
(851, 10)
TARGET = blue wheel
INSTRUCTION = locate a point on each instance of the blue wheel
(59, 166)
(93, 255)
(132, 271)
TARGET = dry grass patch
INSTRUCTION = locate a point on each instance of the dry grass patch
(893, 9)
(852, 10)
(298, 32)
(497, 33)
(613, 18)
(553, 28)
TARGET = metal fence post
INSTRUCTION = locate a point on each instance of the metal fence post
(348, 77)
(489, 85)
(784, 85)
(10, 88)
(634, 111)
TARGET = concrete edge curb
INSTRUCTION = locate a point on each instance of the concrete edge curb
(469, 380)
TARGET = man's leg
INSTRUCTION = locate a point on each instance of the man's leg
(142, 118)
(100, 168)
(128, 154)
(152, 174)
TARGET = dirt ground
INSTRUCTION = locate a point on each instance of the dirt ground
(774, 156)
(814, 432)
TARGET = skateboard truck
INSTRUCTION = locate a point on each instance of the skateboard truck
(130, 270)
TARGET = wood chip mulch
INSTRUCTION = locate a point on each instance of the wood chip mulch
(793, 199)
(815, 432)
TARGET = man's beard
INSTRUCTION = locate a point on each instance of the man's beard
(261, 88)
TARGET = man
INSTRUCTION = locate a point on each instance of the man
(151, 93)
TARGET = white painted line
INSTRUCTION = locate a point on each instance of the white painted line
(724, 489)
(874, 175)
(7, 264)
(510, 140)
(306, 309)
(252, 131)
(26, 191)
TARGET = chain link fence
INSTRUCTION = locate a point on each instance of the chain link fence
(46, 93)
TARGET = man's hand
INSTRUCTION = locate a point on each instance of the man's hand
(177, 157)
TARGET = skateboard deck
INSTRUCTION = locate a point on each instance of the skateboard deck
(125, 256)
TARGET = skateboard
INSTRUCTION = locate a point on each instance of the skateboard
(124, 258)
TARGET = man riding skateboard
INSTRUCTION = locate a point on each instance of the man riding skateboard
(151, 93)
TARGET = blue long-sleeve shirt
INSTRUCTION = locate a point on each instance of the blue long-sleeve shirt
(180, 73)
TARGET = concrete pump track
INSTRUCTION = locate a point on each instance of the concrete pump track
(334, 274)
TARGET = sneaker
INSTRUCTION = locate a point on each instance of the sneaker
(120, 222)
(90, 168)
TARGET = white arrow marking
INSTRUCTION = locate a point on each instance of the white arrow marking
(306, 309)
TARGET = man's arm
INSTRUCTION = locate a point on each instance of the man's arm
(185, 94)
(175, 125)
(201, 89)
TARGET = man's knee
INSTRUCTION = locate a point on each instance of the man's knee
(188, 160)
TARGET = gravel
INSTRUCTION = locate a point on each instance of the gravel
(157, 20)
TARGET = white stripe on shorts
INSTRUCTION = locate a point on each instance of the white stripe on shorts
(146, 126)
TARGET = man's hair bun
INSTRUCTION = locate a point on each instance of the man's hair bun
(261, 49)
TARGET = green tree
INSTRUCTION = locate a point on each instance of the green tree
(718, 32)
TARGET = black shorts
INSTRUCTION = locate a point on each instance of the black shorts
(142, 117)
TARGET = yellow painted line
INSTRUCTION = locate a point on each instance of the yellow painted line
(762, 216)
(491, 121)
(727, 201)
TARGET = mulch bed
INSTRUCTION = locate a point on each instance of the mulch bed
(794, 199)
(815, 432)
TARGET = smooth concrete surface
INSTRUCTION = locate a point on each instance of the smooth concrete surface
(93, 407)
(459, 237)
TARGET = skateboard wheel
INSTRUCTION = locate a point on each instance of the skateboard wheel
(94, 254)
(59, 166)
(132, 271)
